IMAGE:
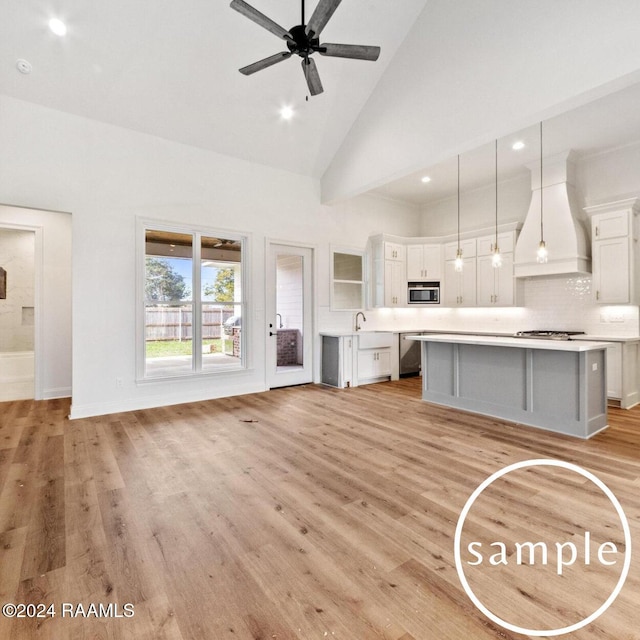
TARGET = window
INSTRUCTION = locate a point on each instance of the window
(347, 290)
(193, 302)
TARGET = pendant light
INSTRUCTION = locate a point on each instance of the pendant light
(496, 258)
(542, 254)
(459, 262)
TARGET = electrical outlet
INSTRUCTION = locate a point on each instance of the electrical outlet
(616, 317)
(594, 366)
(119, 383)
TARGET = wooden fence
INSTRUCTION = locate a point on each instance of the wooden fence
(175, 323)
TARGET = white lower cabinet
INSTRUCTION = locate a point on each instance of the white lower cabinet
(614, 371)
(623, 371)
(623, 387)
(373, 364)
(362, 358)
(373, 357)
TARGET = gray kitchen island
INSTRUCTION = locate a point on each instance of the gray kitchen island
(554, 385)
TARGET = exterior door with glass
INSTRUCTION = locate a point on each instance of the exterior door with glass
(289, 309)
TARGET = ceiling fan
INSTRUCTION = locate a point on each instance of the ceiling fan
(304, 40)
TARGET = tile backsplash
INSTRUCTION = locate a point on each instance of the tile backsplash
(555, 302)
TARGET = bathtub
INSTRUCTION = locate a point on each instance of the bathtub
(16, 375)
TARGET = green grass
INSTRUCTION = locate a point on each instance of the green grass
(162, 348)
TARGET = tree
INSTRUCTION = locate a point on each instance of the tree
(222, 288)
(162, 283)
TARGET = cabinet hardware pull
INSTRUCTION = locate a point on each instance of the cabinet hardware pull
(597, 295)
(597, 232)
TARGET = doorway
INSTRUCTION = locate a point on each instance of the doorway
(289, 307)
(17, 313)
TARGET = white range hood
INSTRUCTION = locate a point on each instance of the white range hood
(564, 234)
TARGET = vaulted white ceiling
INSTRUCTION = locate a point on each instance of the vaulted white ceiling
(452, 76)
(170, 69)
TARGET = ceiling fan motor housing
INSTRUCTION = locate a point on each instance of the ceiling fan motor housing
(302, 44)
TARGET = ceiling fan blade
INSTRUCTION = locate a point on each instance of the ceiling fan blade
(259, 18)
(267, 62)
(321, 16)
(312, 77)
(356, 51)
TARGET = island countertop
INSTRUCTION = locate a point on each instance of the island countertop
(520, 343)
(557, 385)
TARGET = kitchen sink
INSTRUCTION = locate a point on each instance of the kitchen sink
(374, 339)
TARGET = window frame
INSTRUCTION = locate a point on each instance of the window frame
(197, 232)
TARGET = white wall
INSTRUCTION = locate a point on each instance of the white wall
(471, 72)
(107, 177)
(53, 342)
(605, 177)
(478, 209)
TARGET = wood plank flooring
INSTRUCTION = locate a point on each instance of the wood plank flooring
(300, 513)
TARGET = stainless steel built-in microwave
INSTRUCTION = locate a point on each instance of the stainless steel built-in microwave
(423, 293)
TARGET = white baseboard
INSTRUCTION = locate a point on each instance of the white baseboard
(149, 402)
(60, 392)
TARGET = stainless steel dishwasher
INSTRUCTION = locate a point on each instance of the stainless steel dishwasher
(410, 354)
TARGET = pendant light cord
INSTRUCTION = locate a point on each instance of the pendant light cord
(496, 193)
(541, 189)
(458, 202)
(302, 12)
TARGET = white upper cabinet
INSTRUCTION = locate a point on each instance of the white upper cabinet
(394, 251)
(388, 269)
(616, 224)
(459, 288)
(395, 261)
(497, 287)
(506, 242)
(615, 259)
(424, 262)
(395, 285)
(468, 249)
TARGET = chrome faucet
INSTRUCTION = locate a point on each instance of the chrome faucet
(279, 316)
(358, 327)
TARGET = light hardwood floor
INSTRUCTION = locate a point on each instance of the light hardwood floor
(300, 513)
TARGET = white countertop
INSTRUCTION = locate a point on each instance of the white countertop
(337, 334)
(519, 343)
(608, 338)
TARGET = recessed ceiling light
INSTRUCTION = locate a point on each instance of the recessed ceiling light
(58, 27)
(518, 145)
(286, 113)
(426, 179)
